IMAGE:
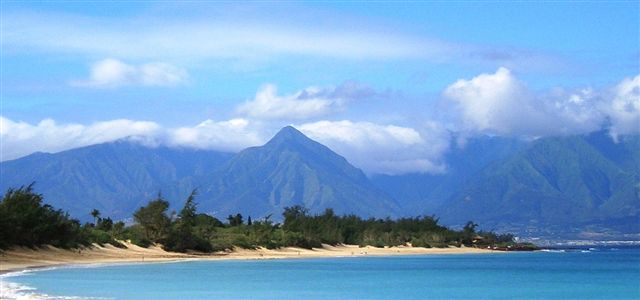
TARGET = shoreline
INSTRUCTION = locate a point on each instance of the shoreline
(24, 259)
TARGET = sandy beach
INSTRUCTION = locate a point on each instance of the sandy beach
(24, 258)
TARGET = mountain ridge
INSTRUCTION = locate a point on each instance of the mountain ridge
(114, 177)
(554, 182)
(575, 184)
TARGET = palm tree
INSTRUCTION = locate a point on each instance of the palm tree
(96, 215)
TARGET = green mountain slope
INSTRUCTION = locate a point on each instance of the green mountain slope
(292, 169)
(420, 193)
(567, 183)
(114, 178)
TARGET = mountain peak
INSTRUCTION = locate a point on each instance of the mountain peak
(288, 134)
(292, 169)
(289, 131)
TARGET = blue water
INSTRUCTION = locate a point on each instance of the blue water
(602, 273)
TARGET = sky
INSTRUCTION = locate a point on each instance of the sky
(392, 86)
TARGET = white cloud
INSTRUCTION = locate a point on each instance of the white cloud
(232, 135)
(159, 73)
(374, 148)
(384, 149)
(113, 73)
(489, 101)
(203, 38)
(308, 103)
(110, 72)
(268, 105)
(624, 109)
(500, 104)
(20, 138)
(241, 37)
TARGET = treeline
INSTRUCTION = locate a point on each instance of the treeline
(26, 221)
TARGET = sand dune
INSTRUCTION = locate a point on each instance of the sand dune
(25, 258)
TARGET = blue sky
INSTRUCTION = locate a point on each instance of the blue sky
(223, 76)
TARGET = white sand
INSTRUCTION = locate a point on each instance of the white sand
(23, 258)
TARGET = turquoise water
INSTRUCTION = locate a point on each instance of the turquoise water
(602, 273)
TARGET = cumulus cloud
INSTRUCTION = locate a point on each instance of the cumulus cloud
(624, 109)
(304, 104)
(499, 103)
(232, 135)
(21, 138)
(114, 73)
(385, 149)
(489, 101)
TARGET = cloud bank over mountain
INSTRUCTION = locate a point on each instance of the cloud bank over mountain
(384, 149)
(21, 138)
(490, 103)
(499, 103)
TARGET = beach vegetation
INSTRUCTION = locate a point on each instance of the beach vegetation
(154, 219)
(26, 221)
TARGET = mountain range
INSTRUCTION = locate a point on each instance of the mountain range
(576, 186)
(115, 178)
(580, 183)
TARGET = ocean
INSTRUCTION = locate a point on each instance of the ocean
(581, 273)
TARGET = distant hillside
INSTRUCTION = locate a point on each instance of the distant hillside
(114, 178)
(424, 193)
(292, 169)
(573, 184)
(117, 178)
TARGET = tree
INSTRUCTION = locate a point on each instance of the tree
(96, 216)
(208, 221)
(249, 222)
(294, 217)
(182, 237)
(118, 229)
(206, 226)
(26, 221)
(468, 232)
(104, 224)
(235, 220)
(153, 219)
(469, 228)
(188, 213)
